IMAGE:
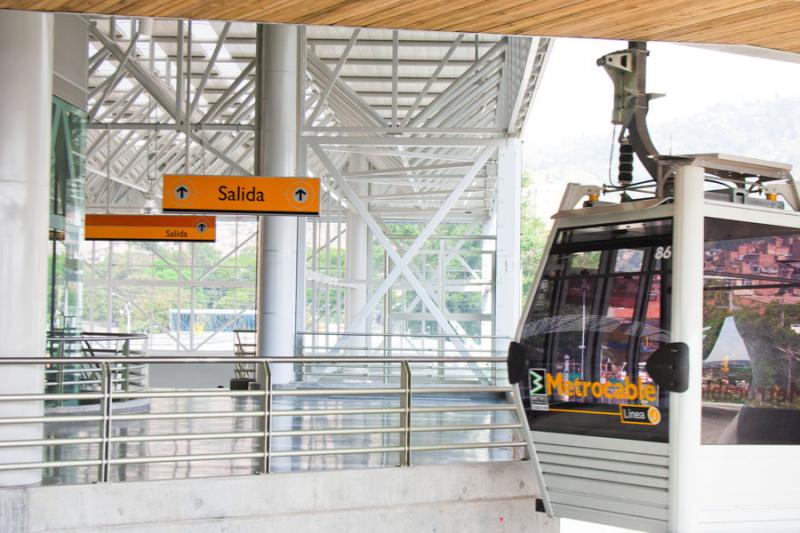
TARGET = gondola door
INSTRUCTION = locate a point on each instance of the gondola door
(601, 307)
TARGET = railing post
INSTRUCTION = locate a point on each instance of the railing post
(60, 385)
(106, 387)
(299, 344)
(493, 352)
(440, 344)
(126, 377)
(267, 421)
(530, 448)
(387, 352)
(405, 401)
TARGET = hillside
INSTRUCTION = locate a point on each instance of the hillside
(769, 130)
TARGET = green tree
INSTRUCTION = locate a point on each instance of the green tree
(766, 331)
(533, 238)
(770, 341)
(714, 314)
(532, 243)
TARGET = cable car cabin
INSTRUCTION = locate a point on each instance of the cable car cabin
(658, 357)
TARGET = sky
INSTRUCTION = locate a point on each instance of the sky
(572, 109)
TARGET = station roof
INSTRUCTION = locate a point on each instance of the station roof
(396, 93)
(764, 23)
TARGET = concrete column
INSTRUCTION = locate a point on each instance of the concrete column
(685, 409)
(356, 259)
(26, 48)
(507, 219)
(276, 155)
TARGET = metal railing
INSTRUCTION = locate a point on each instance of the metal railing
(244, 345)
(79, 377)
(410, 345)
(399, 344)
(385, 345)
(95, 344)
(401, 418)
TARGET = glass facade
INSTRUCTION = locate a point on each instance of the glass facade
(67, 179)
(187, 296)
(599, 311)
(751, 345)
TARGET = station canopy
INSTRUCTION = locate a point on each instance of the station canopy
(767, 23)
(419, 107)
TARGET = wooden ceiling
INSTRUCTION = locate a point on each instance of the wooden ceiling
(766, 23)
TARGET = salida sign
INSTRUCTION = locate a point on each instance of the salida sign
(150, 228)
(241, 194)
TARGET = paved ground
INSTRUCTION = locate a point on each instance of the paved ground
(575, 526)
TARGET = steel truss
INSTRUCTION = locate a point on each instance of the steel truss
(403, 127)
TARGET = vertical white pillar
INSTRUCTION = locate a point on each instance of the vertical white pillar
(276, 155)
(507, 230)
(26, 48)
(356, 259)
(687, 320)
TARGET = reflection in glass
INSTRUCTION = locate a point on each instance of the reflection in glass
(597, 315)
(67, 184)
(751, 343)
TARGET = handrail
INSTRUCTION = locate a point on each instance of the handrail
(403, 344)
(243, 371)
(401, 404)
(399, 349)
(271, 359)
(97, 336)
(94, 344)
(398, 334)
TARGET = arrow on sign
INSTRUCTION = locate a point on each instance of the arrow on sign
(300, 194)
(201, 227)
(181, 192)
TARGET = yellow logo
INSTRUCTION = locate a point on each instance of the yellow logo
(628, 391)
(639, 414)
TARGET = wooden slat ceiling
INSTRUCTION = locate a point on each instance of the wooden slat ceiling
(766, 23)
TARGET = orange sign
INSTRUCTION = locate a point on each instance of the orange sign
(150, 228)
(241, 194)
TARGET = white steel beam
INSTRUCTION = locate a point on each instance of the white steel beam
(357, 245)
(152, 84)
(114, 79)
(209, 67)
(231, 93)
(347, 140)
(522, 88)
(405, 170)
(395, 67)
(464, 79)
(401, 262)
(507, 228)
(349, 98)
(494, 132)
(331, 81)
(433, 78)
